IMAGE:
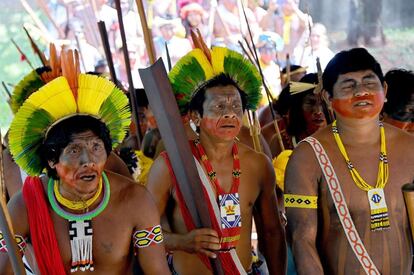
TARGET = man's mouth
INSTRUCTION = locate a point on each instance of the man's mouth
(228, 126)
(319, 121)
(88, 177)
(362, 104)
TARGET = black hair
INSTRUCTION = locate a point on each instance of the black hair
(400, 90)
(141, 96)
(356, 59)
(196, 103)
(62, 134)
(297, 123)
(292, 68)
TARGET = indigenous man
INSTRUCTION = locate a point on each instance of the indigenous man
(399, 108)
(69, 127)
(15, 176)
(349, 216)
(224, 85)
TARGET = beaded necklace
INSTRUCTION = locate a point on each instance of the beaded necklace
(76, 205)
(84, 216)
(229, 203)
(80, 226)
(212, 174)
(376, 196)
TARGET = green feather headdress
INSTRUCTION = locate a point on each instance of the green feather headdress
(61, 98)
(201, 65)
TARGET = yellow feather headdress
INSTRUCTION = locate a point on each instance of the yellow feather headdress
(202, 64)
(66, 96)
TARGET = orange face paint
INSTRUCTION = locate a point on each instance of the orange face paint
(222, 128)
(348, 107)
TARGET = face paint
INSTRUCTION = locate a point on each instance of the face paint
(81, 164)
(313, 114)
(358, 107)
(222, 128)
(223, 112)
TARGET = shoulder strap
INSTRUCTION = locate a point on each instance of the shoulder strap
(342, 208)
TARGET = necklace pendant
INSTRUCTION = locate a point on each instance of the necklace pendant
(379, 210)
(230, 210)
(230, 217)
(81, 233)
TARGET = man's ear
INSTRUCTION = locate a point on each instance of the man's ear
(195, 117)
(327, 98)
(52, 164)
(385, 88)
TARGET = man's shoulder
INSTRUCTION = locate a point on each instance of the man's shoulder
(123, 186)
(247, 153)
(399, 141)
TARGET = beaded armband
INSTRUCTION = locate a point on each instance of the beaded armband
(301, 201)
(21, 242)
(148, 237)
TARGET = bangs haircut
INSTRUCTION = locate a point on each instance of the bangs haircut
(354, 60)
(62, 134)
(221, 80)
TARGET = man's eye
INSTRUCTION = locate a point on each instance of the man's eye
(73, 151)
(97, 147)
(370, 85)
(348, 88)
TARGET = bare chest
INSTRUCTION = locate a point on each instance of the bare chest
(389, 249)
(111, 240)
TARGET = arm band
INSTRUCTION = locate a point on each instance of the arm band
(21, 243)
(301, 201)
(148, 237)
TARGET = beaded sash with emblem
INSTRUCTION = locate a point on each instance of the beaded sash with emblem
(229, 202)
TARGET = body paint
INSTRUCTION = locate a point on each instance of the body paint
(406, 126)
(217, 127)
(346, 108)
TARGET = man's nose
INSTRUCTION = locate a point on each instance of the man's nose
(86, 158)
(361, 90)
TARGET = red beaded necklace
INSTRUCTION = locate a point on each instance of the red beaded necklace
(212, 174)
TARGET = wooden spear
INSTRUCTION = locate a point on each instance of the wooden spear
(279, 136)
(6, 89)
(22, 55)
(38, 22)
(6, 225)
(131, 89)
(107, 50)
(149, 42)
(36, 49)
(46, 11)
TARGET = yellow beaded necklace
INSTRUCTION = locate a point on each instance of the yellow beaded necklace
(382, 177)
(76, 205)
(376, 195)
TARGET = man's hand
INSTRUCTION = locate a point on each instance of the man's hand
(204, 240)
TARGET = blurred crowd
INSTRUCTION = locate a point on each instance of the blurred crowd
(279, 28)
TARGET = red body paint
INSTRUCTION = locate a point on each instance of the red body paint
(406, 126)
(347, 107)
(222, 128)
